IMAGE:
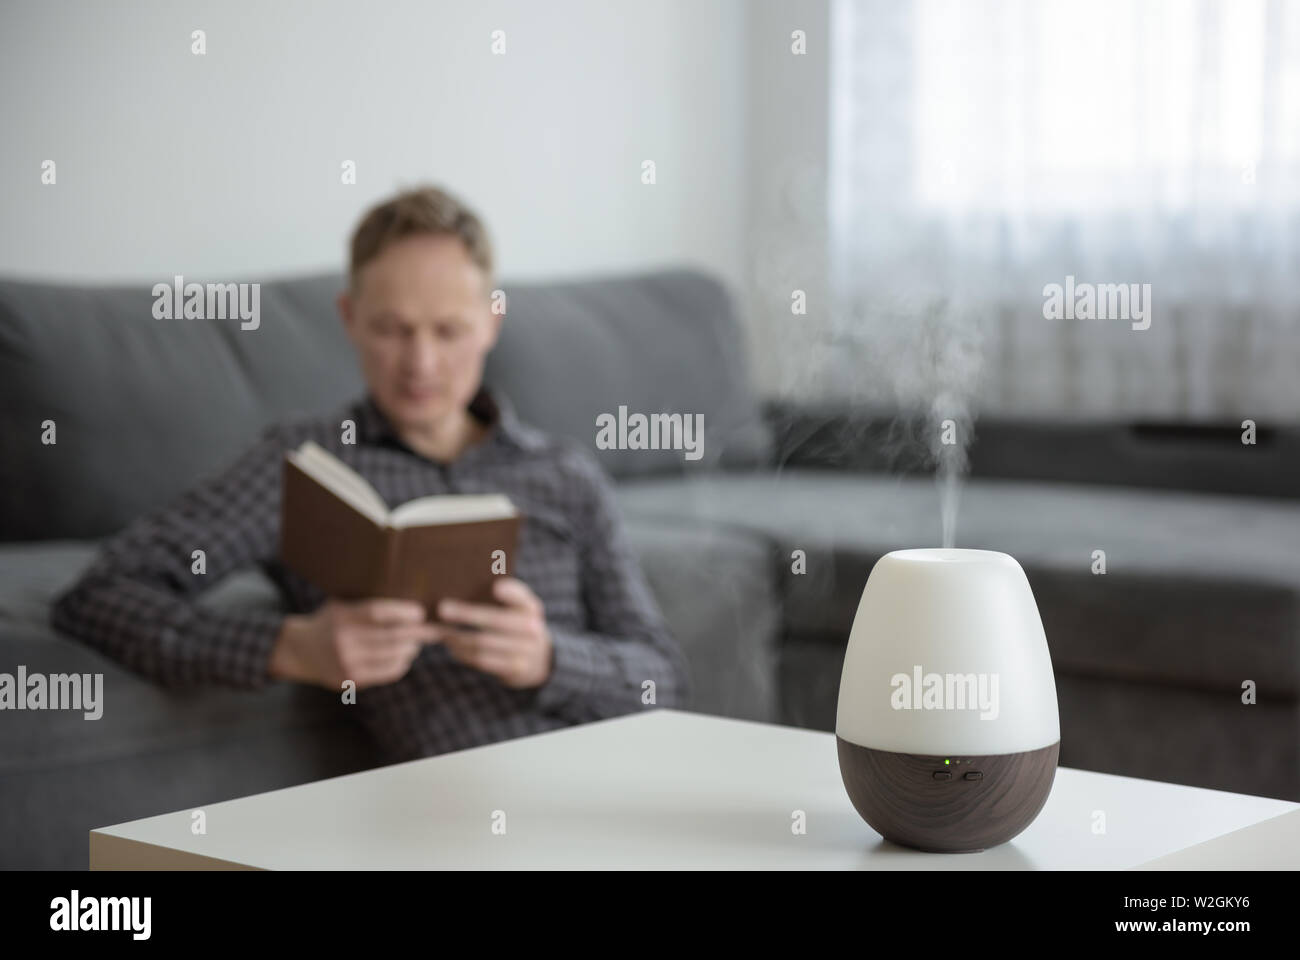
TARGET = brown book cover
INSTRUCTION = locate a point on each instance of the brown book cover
(350, 556)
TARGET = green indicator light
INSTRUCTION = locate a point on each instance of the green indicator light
(946, 762)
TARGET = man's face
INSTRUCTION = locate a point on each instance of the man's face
(422, 323)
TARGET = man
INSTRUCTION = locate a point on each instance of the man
(576, 636)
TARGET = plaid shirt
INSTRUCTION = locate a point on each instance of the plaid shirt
(135, 602)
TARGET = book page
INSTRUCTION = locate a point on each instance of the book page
(452, 508)
(340, 479)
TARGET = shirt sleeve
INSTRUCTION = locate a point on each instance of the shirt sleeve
(606, 670)
(136, 601)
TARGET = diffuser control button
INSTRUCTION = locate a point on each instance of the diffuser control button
(973, 775)
(942, 775)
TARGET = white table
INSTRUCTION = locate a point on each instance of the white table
(669, 789)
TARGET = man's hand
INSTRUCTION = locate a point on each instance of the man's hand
(370, 642)
(513, 644)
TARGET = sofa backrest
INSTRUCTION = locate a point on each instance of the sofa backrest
(1170, 455)
(666, 342)
(144, 407)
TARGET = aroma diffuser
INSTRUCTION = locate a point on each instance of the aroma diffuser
(947, 726)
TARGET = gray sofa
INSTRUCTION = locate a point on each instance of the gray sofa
(1203, 543)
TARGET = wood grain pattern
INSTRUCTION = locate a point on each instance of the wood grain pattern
(898, 795)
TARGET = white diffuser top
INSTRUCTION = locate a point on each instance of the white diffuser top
(947, 656)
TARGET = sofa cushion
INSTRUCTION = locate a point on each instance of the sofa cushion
(665, 342)
(62, 775)
(717, 590)
(144, 407)
(138, 716)
(49, 810)
(1199, 590)
(728, 633)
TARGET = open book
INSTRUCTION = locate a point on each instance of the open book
(337, 532)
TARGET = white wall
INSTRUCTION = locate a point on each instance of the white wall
(227, 166)
(786, 216)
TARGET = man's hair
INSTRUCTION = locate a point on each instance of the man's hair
(423, 210)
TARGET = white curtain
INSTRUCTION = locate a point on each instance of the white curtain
(981, 151)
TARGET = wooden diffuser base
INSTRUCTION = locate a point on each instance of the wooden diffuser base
(981, 802)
